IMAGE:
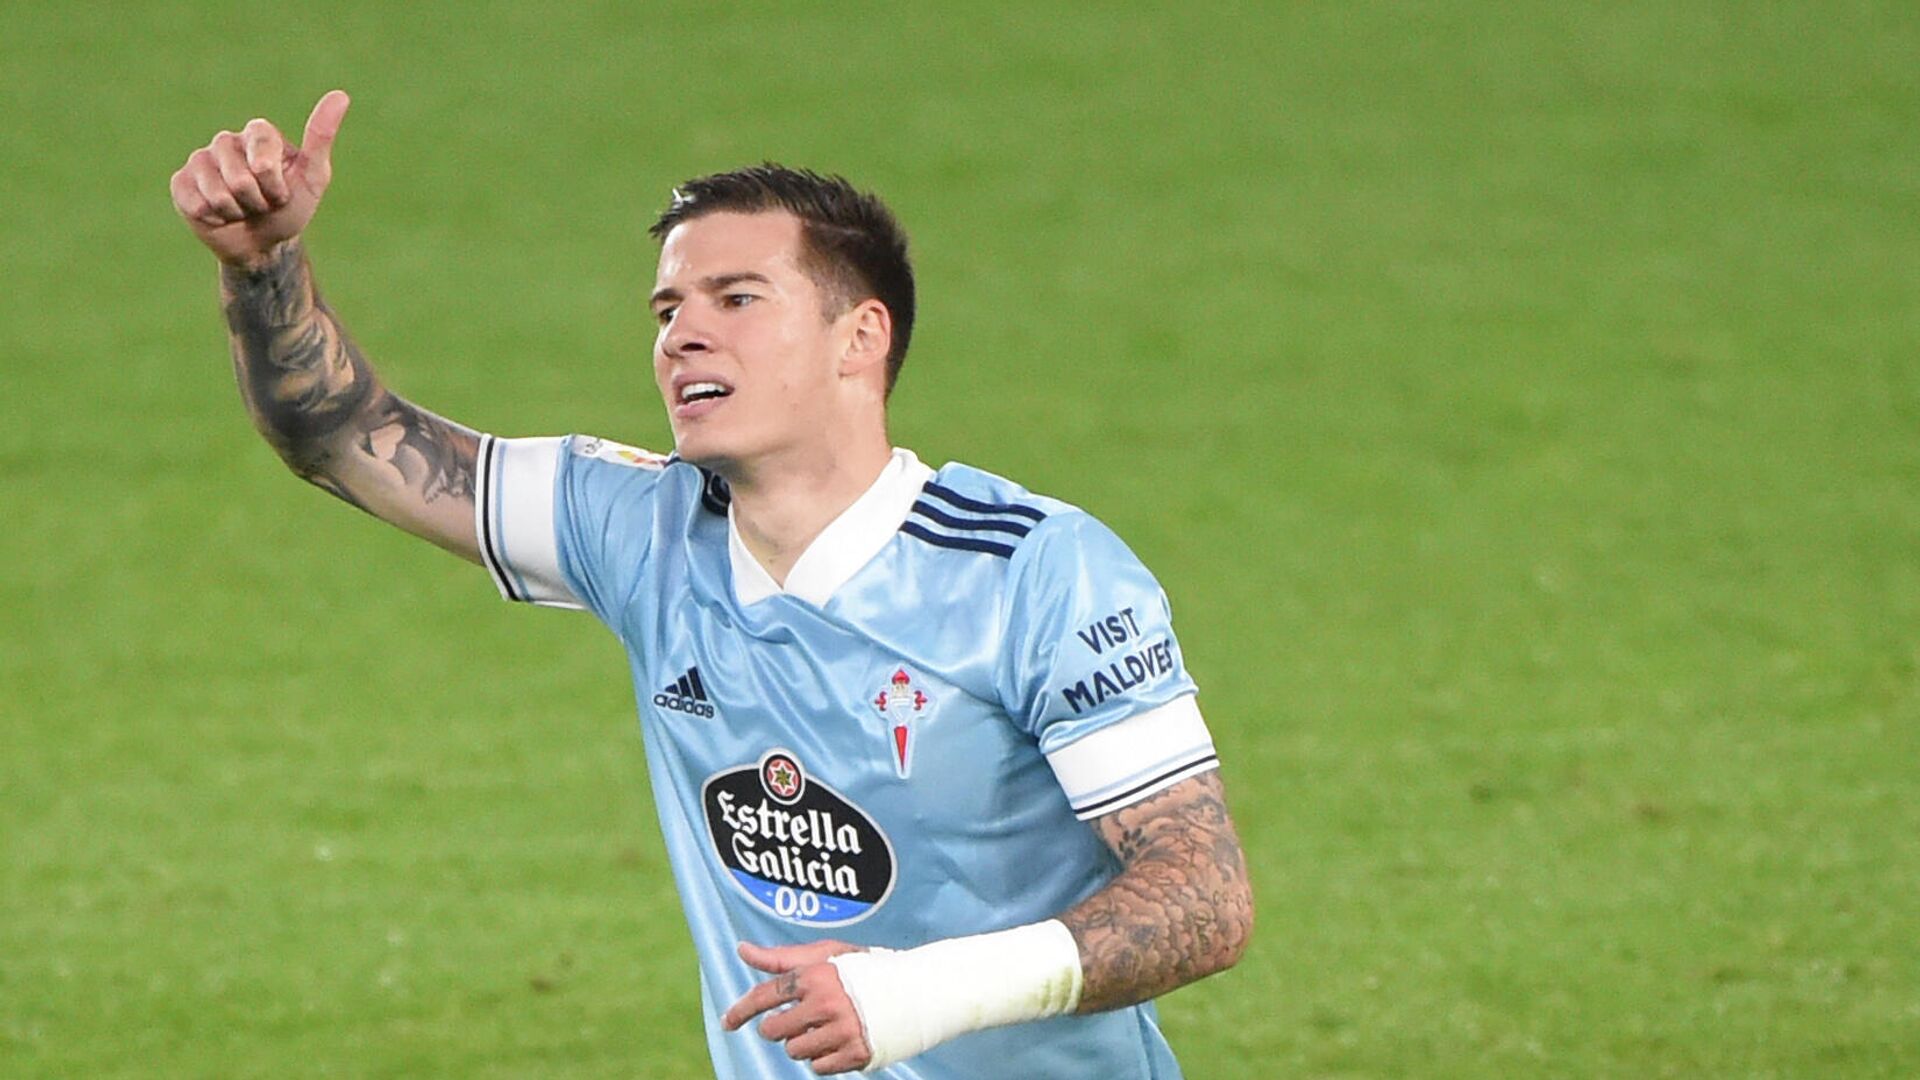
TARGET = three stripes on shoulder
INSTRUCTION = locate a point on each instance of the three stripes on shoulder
(945, 518)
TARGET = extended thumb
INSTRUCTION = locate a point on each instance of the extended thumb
(324, 125)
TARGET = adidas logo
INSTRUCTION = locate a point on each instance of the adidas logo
(686, 694)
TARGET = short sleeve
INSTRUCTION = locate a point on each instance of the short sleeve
(555, 516)
(1093, 670)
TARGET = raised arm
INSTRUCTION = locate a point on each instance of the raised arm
(248, 196)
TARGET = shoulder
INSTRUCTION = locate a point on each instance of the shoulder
(980, 485)
(987, 536)
(962, 508)
(595, 448)
(1058, 535)
(602, 467)
(601, 488)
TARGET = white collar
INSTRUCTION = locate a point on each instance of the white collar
(848, 543)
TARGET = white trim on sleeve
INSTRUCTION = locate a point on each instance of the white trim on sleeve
(1126, 761)
(513, 520)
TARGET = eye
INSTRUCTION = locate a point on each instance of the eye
(664, 315)
(738, 300)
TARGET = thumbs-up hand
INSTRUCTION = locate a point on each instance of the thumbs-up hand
(245, 193)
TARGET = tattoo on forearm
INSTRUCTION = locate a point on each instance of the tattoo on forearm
(303, 381)
(433, 457)
(316, 399)
(1181, 907)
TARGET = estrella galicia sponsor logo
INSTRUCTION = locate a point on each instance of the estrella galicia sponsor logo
(795, 846)
(687, 694)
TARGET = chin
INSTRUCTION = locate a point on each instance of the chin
(728, 449)
(704, 450)
(695, 452)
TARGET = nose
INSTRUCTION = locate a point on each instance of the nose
(685, 334)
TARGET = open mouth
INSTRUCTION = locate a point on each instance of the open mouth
(703, 391)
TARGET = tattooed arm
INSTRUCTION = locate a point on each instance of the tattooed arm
(313, 396)
(1180, 909)
(247, 196)
(1182, 906)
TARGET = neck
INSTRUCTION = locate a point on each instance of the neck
(782, 504)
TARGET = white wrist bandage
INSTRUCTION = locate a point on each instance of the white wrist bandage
(914, 999)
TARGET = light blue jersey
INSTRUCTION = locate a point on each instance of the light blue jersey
(901, 744)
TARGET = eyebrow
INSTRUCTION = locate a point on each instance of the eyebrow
(711, 283)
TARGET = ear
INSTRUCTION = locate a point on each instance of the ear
(870, 335)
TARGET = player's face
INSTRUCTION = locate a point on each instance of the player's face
(746, 357)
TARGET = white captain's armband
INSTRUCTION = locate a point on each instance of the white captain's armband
(1126, 761)
(513, 518)
(912, 1000)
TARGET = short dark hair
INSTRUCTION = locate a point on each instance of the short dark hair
(851, 244)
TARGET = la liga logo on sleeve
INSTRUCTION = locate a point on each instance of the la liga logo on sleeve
(796, 847)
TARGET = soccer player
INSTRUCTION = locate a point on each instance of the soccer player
(933, 784)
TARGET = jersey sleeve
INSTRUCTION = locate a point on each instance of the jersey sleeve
(563, 521)
(1093, 670)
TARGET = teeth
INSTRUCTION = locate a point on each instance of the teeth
(700, 390)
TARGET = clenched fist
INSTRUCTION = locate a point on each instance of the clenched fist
(245, 194)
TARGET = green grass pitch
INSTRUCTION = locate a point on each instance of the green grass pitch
(1520, 402)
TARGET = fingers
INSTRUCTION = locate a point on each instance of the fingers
(851, 1056)
(255, 179)
(831, 1041)
(231, 159)
(232, 177)
(828, 1041)
(762, 958)
(818, 1022)
(779, 958)
(266, 154)
(784, 1024)
(204, 173)
(784, 961)
(767, 995)
(188, 200)
(322, 126)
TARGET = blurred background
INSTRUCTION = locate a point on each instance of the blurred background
(1520, 402)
